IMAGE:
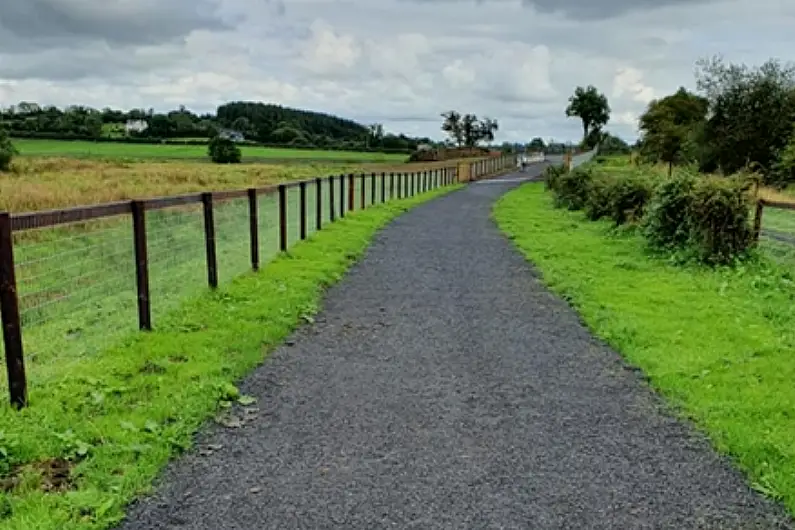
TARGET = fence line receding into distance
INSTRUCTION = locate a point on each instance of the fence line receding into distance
(71, 278)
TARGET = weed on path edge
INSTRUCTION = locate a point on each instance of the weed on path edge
(117, 418)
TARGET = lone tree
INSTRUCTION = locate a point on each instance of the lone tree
(7, 151)
(224, 151)
(467, 130)
(592, 108)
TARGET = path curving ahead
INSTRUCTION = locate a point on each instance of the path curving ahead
(443, 387)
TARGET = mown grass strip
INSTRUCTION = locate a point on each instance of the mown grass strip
(96, 438)
(718, 343)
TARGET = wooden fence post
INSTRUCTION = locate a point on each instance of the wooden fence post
(342, 196)
(363, 190)
(282, 217)
(302, 209)
(12, 325)
(758, 219)
(372, 189)
(391, 186)
(209, 240)
(331, 202)
(351, 192)
(383, 188)
(253, 228)
(318, 203)
(138, 209)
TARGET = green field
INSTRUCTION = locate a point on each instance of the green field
(718, 343)
(83, 149)
(111, 412)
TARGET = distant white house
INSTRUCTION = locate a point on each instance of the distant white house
(424, 147)
(135, 126)
(230, 134)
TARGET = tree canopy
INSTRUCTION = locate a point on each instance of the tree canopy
(258, 122)
(467, 130)
(591, 106)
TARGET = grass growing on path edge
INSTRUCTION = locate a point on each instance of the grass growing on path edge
(117, 418)
(717, 343)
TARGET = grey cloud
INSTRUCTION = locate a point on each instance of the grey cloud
(585, 10)
(44, 23)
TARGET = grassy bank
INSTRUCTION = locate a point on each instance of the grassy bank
(84, 149)
(95, 438)
(718, 343)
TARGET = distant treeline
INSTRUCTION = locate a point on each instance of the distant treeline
(259, 123)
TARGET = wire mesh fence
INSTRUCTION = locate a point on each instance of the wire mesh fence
(777, 234)
(73, 282)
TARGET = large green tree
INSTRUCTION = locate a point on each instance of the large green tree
(669, 125)
(593, 109)
(7, 150)
(752, 111)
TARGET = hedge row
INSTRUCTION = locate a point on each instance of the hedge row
(705, 217)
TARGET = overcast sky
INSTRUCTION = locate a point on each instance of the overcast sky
(398, 62)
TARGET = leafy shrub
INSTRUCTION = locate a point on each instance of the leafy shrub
(572, 188)
(551, 175)
(599, 203)
(224, 151)
(719, 220)
(666, 223)
(621, 197)
(7, 151)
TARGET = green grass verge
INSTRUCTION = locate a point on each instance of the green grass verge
(718, 343)
(83, 149)
(118, 417)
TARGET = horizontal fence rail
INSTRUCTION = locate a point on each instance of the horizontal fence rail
(64, 271)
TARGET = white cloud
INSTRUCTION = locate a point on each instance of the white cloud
(327, 53)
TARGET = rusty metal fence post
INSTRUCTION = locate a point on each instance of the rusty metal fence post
(12, 325)
(138, 209)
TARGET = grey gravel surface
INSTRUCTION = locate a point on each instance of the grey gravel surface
(443, 386)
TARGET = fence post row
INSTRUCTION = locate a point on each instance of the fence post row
(282, 217)
(138, 209)
(209, 240)
(404, 186)
(12, 325)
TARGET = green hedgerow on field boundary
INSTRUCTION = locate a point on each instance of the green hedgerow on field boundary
(117, 418)
(717, 342)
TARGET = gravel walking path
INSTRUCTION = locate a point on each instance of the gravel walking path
(443, 386)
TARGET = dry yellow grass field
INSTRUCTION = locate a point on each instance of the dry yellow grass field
(48, 183)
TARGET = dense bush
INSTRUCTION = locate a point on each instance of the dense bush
(621, 197)
(719, 219)
(666, 222)
(7, 151)
(551, 175)
(571, 188)
(224, 151)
